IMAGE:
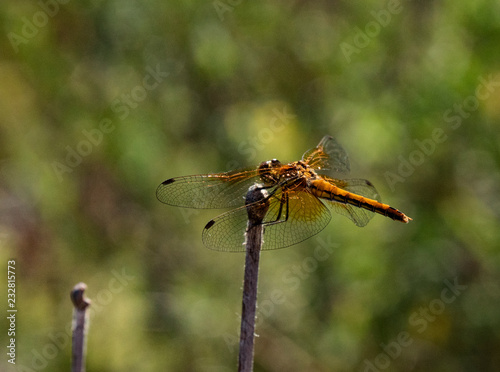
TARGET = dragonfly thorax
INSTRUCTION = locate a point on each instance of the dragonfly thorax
(272, 172)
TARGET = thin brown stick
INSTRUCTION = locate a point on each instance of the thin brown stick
(256, 207)
(79, 327)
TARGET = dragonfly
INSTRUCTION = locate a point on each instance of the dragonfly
(300, 196)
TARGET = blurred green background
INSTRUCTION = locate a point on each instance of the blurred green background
(100, 101)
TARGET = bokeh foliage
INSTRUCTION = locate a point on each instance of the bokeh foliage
(174, 88)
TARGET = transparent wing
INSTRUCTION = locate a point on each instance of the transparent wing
(356, 186)
(359, 216)
(328, 156)
(218, 190)
(306, 216)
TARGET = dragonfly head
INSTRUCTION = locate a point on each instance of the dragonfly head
(269, 171)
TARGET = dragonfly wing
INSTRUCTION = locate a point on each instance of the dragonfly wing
(328, 156)
(227, 231)
(359, 216)
(307, 216)
(356, 186)
(218, 190)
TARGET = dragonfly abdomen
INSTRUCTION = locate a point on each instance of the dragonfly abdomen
(325, 190)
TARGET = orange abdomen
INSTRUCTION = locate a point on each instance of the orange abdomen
(326, 190)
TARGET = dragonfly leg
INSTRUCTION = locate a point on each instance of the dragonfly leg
(284, 200)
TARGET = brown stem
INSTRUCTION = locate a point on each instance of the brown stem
(257, 207)
(79, 327)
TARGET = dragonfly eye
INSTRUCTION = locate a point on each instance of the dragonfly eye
(275, 163)
(267, 171)
(264, 166)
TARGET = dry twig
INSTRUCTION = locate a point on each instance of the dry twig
(79, 327)
(257, 207)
